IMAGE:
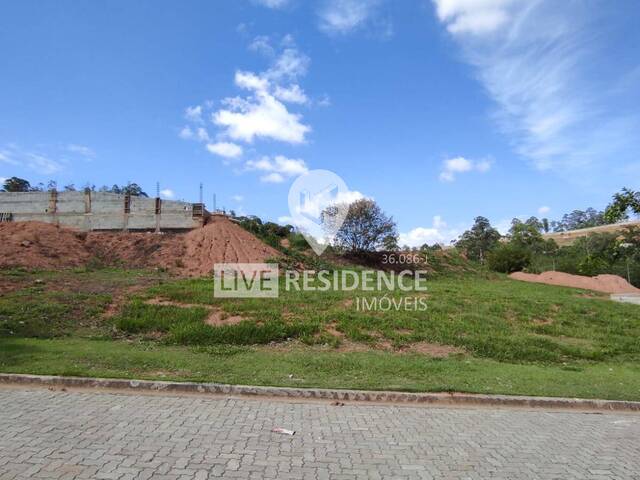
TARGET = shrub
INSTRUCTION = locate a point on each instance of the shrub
(508, 258)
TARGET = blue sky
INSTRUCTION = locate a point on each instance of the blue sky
(440, 110)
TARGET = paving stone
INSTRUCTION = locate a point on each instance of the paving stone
(82, 435)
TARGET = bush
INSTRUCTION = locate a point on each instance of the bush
(509, 258)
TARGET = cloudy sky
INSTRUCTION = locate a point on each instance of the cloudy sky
(440, 110)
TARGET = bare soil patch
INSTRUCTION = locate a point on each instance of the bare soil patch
(44, 246)
(600, 283)
(333, 331)
(432, 349)
(218, 318)
(41, 246)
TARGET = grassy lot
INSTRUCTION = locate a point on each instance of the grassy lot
(480, 333)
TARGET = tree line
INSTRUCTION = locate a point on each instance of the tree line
(16, 184)
(525, 248)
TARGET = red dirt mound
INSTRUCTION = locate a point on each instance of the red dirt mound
(39, 245)
(222, 241)
(600, 283)
(45, 246)
(136, 249)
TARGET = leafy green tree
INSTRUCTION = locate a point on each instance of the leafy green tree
(390, 243)
(132, 189)
(580, 219)
(527, 234)
(509, 258)
(16, 184)
(545, 225)
(365, 226)
(623, 202)
(480, 239)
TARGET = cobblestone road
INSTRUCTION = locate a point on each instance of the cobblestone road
(71, 435)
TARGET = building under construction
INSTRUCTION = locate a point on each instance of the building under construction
(88, 210)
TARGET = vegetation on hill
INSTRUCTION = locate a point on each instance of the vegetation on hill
(16, 184)
(525, 249)
(479, 334)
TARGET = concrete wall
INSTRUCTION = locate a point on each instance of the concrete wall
(98, 211)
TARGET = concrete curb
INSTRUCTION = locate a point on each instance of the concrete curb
(444, 399)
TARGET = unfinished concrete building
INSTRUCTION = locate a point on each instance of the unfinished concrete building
(89, 210)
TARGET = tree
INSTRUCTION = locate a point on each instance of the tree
(545, 225)
(580, 219)
(623, 202)
(509, 258)
(132, 189)
(390, 243)
(527, 234)
(16, 184)
(479, 240)
(365, 226)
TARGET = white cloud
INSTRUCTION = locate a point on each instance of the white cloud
(453, 166)
(314, 205)
(251, 81)
(40, 163)
(274, 177)
(81, 150)
(290, 166)
(202, 135)
(186, 133)
(225, 149)
(535, 61)
(279, 168)
(167, 193)
(272, 3)
(193, 114)
(262, 44)
(291, 94)
(473, 16)
(8, 158)
(285, 220)
(483, 165)
(439, 232)
(544, 210)
(345, 16)
(237, 198)
(263, 114)
(290, 65)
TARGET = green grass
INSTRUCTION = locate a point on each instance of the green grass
(316, 368)
(517, 338)
(493, 318)
(34, 312)
(138, 317)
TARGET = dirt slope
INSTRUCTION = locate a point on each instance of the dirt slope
(222, 241)
(600, 283)
(39, 245)
(36, 245)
